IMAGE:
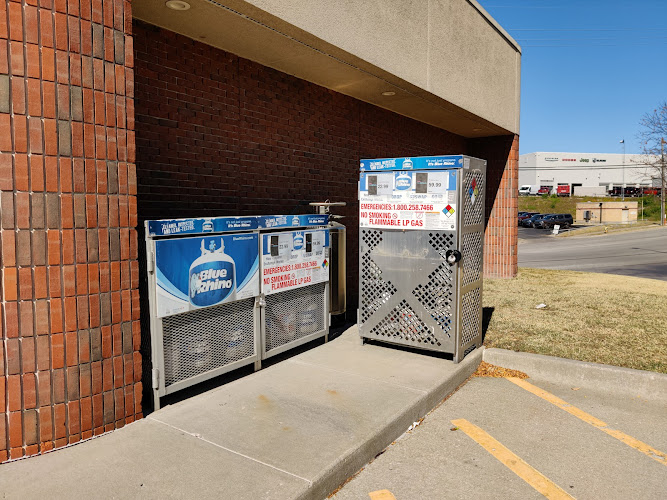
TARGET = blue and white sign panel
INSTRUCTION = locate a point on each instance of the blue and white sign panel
(279, 221)
(192, 273)
(172, 227)
(293, 259)
(413, 163)
(407, 199)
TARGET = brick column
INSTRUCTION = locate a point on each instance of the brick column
(501, 233)
(69, 366)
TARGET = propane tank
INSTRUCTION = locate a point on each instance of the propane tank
(337, 269)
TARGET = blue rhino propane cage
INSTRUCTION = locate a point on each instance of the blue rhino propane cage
(226, 292)
(421, 237)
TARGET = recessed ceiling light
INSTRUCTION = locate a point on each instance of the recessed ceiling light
(177, 5)
(388, 93)
(477, 130)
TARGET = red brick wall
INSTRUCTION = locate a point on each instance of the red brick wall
(69, 365)
(501, 235)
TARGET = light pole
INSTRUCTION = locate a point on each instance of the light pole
(623, 188)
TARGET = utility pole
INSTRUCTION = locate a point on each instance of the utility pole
(662, 184)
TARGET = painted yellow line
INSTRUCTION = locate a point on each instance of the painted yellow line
(381, 495)
(647, 450)
(513, 462)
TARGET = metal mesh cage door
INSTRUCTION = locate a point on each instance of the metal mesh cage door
(472, 193)
(294, 317)
(200, 341)
(406, 288)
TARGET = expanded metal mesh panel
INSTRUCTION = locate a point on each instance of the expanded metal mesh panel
(375, 291)
(436, 296)
(442, 242)
(294, 314)
(202, 340)
(471, 310)
(404, 326)
(472, 258)
(473, 193)
(371, 238)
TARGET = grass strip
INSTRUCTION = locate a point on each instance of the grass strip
(601, 318)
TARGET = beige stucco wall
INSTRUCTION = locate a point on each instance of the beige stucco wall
(611, 212)
(450, 48)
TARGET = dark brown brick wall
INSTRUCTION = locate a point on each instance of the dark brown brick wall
(70, 366)
(218, 135)
(221, 135)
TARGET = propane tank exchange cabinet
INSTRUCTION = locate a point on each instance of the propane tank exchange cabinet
(421, 225)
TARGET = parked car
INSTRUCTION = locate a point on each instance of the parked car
(526, 215)
(530, 222)
(563, 190)
(527, 190)
(631, 192)
(548, 222)
(543, 190)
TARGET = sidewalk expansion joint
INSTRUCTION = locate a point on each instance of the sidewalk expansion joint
(199, 436)
(394, 384)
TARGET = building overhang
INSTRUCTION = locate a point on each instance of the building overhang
(464, 80)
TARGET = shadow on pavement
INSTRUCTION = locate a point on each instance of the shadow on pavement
(338, 325)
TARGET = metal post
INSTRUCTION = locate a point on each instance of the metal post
(623, 188)
(662, 177)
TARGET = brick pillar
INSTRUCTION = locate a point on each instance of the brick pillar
(70, 365)
(501, 233)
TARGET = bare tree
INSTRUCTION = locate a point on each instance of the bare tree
(653, 134)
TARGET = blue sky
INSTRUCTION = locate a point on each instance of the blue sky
(590, 69)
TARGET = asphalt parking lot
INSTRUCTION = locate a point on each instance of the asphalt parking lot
(497, 438)
(641, 253)
(529, 233)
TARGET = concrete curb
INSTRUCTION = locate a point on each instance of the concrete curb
(356, 458)
(613, 379)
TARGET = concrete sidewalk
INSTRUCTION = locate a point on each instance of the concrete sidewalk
(297, 429)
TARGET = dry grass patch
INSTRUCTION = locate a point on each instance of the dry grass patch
(602, 318)
(611, 228)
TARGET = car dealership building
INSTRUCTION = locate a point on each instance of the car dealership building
(114, 112)
(585, 170)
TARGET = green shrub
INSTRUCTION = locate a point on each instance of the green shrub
(651, 210)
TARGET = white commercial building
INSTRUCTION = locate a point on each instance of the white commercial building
(585, 170)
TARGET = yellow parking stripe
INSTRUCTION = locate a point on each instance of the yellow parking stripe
(647, 450)
(513, 462)
(381, 495)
